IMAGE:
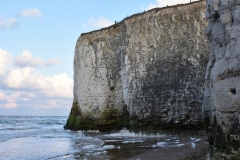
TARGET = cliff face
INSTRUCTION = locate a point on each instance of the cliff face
(222, 97)
(146, 72)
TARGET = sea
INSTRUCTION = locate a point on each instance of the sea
(44, 138)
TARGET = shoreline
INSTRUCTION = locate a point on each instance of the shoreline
(196, 151)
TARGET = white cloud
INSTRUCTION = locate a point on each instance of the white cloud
(10, 100)
(49, 104)
(2, 96)
(31, 12)
(18, 78)
(7, 23)
(11, 23)
(26, 60)
(100, 22)
(164, 3)
(10, 105)
(31, 87)
(52, 62)
(60, 86)
(4, 60)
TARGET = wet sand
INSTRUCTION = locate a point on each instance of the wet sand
(197, 151)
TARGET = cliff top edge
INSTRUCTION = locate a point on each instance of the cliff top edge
(142, 13)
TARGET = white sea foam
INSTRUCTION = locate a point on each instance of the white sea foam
(129, 142)
(91, 131)
(91, 146)
(112, 140)
(108, 147)
(197, 140)
(97, 153)
(177, 141)
(126, 133)
(161, 144)
(193, 145)
(154, 146)
(192, 138)
(180, 145)
(99, 149)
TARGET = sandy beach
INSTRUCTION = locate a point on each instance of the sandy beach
(197, 151)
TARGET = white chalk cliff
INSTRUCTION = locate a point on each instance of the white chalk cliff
(145, 72)
(221, 107)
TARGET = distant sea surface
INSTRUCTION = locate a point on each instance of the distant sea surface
(29, 137)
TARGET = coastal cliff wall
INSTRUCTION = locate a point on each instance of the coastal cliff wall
(221, 107)
(145, 72)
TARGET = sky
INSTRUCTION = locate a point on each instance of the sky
(37, 42)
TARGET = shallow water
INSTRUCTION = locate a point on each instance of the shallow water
(23, 137)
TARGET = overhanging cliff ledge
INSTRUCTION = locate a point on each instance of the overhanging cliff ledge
(145, 72)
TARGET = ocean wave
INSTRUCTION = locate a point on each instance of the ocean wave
(126, 133)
